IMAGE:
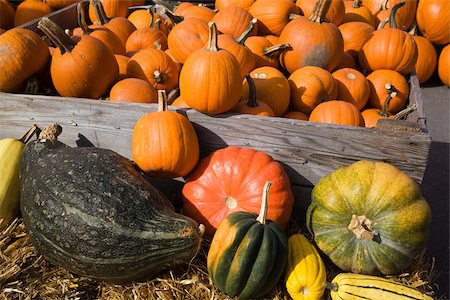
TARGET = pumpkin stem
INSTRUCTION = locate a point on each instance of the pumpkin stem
(50, 133)
(403, 113)
(212, 40)
(241, 40)
(392, 21)
(270, 51)
(356, 4)
(81, 14)
(264, 203)
(361, 227)
(162, 100)
(100, 13)
(56, 34)
(176, 19)
(158, 76)
(158, 24)
(27, 136)
(252, 91)
(413, 30)
(151, 11)
(157, 45)
(391, 93)
(384, 5)
(320, 11)
(293, 16)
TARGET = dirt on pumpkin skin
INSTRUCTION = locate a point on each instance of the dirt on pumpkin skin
(24, 274)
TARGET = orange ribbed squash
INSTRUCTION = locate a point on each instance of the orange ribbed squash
(29, 10)
(352, 86)
(355, 35)
(233, 20)
(133, 90)
(272, 15)
(433, 19)
(337, 112)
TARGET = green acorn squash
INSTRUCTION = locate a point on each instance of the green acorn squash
(248, 253)
(89, 210)
(369, 218)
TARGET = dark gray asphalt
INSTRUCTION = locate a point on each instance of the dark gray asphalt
(436, 182)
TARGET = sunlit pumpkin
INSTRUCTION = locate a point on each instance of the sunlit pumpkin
(337, 112)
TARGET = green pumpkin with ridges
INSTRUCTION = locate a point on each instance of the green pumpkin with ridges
(369, 218)
(247, 257)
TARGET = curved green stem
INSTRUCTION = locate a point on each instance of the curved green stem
(392, 21)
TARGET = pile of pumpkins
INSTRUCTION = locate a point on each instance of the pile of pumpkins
(335, 61)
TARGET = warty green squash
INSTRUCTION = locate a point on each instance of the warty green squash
(89, 210)
(369, 218)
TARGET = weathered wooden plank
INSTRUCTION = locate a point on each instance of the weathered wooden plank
(307, 150)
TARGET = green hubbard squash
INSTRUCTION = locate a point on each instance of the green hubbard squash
(248, 253)
(369, 218)
(90, 211)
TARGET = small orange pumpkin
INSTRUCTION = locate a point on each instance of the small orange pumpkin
(444, 65)
(352, 86)
(347, 61)
(372, 115)
(337, 112)
(311, 86)
(359, 13)
(6, 15)
(29, 10)
(114, 8)
(133, 90)
(234, 20)
(426, 57)
(381, 82)
(433, 19)
(335, 14)
(355, 35)
(298, 115)
(253, 106)
(266, 54)
(164, 143)
(272, 87)
(199, 12)
(272, 15)
(122, 62)
(148, 37)
(210, 80)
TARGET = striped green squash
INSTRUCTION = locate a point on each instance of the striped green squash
(346, 286)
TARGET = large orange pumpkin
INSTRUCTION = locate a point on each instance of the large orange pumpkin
(355, 35)
(382, 83)
(272, 87)
(335, 14)
(272, 15)
(337, 112)
(433, 18)
(232, 179)
(352, 86)
(444, 65)
(311, 86)
(389, 48)
(210, 80)
(313, 42)
(164, 143)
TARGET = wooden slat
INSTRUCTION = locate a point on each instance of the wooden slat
(307, 150)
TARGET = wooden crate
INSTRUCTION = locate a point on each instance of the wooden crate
(307, 150)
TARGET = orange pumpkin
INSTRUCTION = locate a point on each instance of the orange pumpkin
(186, 37)
(210, 80)
(358, 13)
(272, 87)
(133, 90)
(335, 14)
(22, 54)
(143, 18)
(122, 62)
(312, 41)
(253, 106)
(147, 37)
(179, 102)
(355, 35)
(404, 17)
(381, 82)
(164, 143)
(234, 20)
(231, 179)
(97, 31)
(114, 8)
(433, 19)
(444, 65)
(266, 54)
(6, 15)
(221, 4)
(311, 86)
(352, 86)
(272, 15)
(389, 48)
(29, 10)
(426, 57)
(372, 115)
(199, 12)
(243, 55)
(155, 66)
(337, 112)
(82, 66)
(298, 115)
(347, 61)
(182, 6)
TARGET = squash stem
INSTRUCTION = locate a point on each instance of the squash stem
(212, 40)
(56, 34)
(241, 40)
(356, 4)
(387, 101)
(320, 11)
(176, 19)
(81, 15)
(100, 13)
(361, 227)
(151, 11)
(270, 51)
(158, 76)
(392, 21)
(252, 92)
(162, 100)
(51, 132)
(293, 16)
(403, 113)
(264, 203)
(27, 136)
